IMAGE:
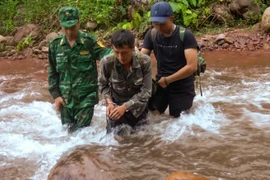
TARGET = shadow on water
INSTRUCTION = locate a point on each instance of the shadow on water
(224, 137)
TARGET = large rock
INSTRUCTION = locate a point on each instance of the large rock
(253, 10)
(27, 52)
(265, 24)
(185, 176)
(9, 40)
(81, 164)
(238, 7)
(91, 25)
(51, 36)
(222, 14)
(26, 30)
(3, 39)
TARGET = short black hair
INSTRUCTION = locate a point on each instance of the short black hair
(123, 37)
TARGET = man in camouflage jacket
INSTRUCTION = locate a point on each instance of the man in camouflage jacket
(125, 82)
(72, 73)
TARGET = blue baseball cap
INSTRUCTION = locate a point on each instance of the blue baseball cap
(160, 12)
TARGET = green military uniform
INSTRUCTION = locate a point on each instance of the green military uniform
(73, 73)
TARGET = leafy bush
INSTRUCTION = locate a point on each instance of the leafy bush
(26, 42)
(8, 9)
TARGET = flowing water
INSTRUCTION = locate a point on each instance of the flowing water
(226, 135)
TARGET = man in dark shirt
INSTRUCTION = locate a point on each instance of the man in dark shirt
(176, 61)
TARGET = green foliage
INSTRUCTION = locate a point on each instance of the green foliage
(27, 42)
(185, 13)
(8, 9)
(110, 14)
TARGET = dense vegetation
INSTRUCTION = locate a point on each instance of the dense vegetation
(110, 14)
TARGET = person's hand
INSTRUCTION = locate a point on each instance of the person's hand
(58, 102)
(163, 82)
(118, 112)
(109, 109)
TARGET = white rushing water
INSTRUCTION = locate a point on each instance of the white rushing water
(31, 129)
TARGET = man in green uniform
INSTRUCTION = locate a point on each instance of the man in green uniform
(73, 72)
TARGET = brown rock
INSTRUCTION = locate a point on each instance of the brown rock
(225, 46)
(220, 42)
(40, 56)
(221, 14)
(12, 52)
(10, 40)
(253, 10)
(265, 23)
(26, 30)
(36, 51)
(239, 6)
(3, 39)
(250, 46)
(236, 44)
(20, 57)
(42, 43)
(228, 40)
(51, 36)
(82, 164)
(45, 49)
(4, 53)
(220, 37)
(185, 176)
(91, 25)
(266, 46)
(28, 52)
(242, 42)
(46, 65)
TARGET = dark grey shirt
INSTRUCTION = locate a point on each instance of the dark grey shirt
(132, 88)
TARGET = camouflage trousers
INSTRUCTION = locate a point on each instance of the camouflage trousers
(76, 118)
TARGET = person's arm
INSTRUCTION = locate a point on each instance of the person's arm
(53, 79)
(53, 76)
(191, 55)
(147, 44)
(99, 49)
(104, 87)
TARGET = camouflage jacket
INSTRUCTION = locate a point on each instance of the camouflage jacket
(131, 88)
(72, 72)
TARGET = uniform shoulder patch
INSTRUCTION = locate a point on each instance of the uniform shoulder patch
(59, 37)
(100, 44)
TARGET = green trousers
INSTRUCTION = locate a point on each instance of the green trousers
(76, 118)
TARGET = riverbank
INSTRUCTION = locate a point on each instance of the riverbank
(230, 39)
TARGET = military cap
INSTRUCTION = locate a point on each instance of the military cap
(68, 16)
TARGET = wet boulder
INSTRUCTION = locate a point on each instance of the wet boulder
(81, 164)
(185, 176)
(265, 23)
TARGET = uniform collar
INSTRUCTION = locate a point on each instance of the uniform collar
(134, 61)
(79, 39)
